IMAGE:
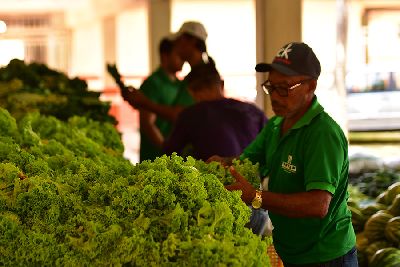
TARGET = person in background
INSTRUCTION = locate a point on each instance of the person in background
(162, 87)
(190, 42)
(304, 154)
(216, 125)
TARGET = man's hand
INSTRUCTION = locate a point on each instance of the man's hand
(224, 161)
(248, 191)
(113, 71)
(139, 101)
(134, 97)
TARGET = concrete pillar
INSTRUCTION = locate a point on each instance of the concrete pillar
(340, 73)
(109, 47)
(277, 23)
(159, 17)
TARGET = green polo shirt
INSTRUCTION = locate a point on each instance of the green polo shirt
(184, 98)
(311, 155)
(162, 90)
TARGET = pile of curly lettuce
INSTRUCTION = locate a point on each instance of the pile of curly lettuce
(69, 198)
(35, 87)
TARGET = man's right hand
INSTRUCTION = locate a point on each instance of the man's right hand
(134, 97)
(226, 162)
(248, 191)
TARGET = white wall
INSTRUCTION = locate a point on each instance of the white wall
(133, 44)
(319, 31)
(87, 50)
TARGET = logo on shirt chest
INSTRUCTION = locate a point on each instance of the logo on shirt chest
(288, 166)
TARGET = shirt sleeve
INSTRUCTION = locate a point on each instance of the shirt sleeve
(149, 89)
(325, 160)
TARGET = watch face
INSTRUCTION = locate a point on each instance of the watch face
(256, 203)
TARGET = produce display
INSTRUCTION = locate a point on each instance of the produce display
(69, 198)
(35, 87)
(373, 183)
(378, 229)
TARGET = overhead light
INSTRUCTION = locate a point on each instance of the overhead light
(3, 27)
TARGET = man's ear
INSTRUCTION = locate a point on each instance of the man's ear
(313, 85)
(222, 85)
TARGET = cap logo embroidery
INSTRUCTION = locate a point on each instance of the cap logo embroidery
(283, 52)
(288, 166)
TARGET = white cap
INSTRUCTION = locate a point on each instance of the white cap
(193, 28)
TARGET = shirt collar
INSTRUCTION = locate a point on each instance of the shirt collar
(163, 75)
(310, 114)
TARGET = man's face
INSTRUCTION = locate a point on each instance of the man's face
(297, 99)
(185, 46)
(175, 62)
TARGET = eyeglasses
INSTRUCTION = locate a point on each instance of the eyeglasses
(281, 90)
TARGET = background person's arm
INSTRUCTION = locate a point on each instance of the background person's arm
(149, 128)
(139, 101)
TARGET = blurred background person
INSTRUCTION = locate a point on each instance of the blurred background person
(161, 87)
(214, 124)
(190, 42)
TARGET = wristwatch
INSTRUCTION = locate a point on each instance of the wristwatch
(257, 201)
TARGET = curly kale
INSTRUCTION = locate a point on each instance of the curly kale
(69, 198)
(35, 87)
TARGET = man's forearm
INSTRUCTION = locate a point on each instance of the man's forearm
(150, 129)
(154, 135)
(314, 203)
(228, 160)
(167, 112)
(139, 101)
(225, 161)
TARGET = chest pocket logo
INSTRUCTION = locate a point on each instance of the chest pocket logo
(288, 166)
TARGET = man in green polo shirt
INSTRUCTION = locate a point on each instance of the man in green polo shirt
(303, 152)
(162, 87)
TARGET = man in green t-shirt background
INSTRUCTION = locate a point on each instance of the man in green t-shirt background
(190, 42)
(161, 96)
(303, 153)
(162, 87)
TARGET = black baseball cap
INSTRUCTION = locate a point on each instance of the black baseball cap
(294, 59)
